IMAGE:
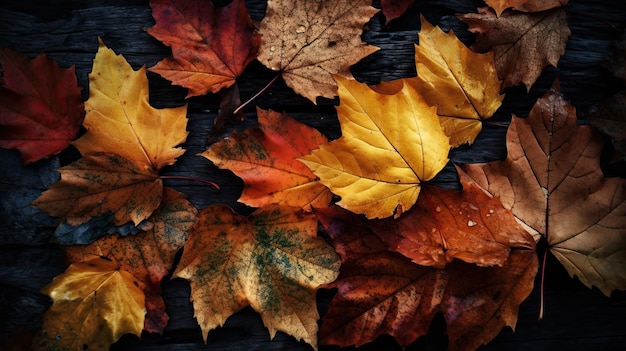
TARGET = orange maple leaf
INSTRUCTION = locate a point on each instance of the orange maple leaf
(265, 158)
(272, 261)
(211, 45)
(552, 182)
(309, 41)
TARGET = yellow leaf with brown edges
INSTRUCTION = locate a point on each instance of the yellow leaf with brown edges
(120, 120)
(464, 85)
(265, 158)
(94, 304)
(391, 143)
(272, 260)
(308, 41)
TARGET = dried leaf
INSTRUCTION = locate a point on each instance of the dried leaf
(382, 292)
(101, 184)
(523, 43)
(120, 120)
(211, 45)
(309, 41)
(148, 255)
(265, 158)
(610, 117)
(446, 224)
(393, 9)
(525, 5)
(552, 182)
(462, 84)
(41, 108)
(94, 304)
(391, 143)
(272, 261)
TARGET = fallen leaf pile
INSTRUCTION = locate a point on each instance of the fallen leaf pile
(398, 249)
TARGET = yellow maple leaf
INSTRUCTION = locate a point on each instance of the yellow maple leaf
(464, 85)
(272, 261)
(392, 142)
(120, 120)
(94, 304)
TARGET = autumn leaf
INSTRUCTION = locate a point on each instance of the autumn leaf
(393, 9)
(99, 184)
(462, 84)
(211, 45)
(382, 292)
(148, 256)
(41, 108)
(309, 41)
(94, 304)
(523, 43)
(265, 158)
(391, 143)
(552, 182)
(272, 261)
(120, 120)
(445, 224)
(610, 117)
(524, 5)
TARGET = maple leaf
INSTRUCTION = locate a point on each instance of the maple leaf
(120, 120)
(462, 84)
(469, 225)
(382, 292)
(148, 255)
(211, 45)
(41, 108)
(393, 9)
(94, 304)
(391, 143)
(309, 41)
(272, 261)
(523, 43)
(552, 182)
(265, 158)
(524, 5)
(99, 184)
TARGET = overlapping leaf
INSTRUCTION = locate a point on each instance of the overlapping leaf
(272, 261)
(211, 45)
(552, 182)
(524, 5)
(462, 84)
(265, 158)
(382, 292)
(149, 255)
(446, 224)
(523, 43)
(41, 108)
(94, 304)
(393, 9)
(310, 40)
(391, 143)
(120, 120)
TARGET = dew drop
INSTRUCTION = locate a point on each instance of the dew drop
(272, 49)
(300, 30)
(438, 209)
(471, 223)
(491, 211)
(433, 230)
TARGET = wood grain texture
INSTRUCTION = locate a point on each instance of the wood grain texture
(67, 30)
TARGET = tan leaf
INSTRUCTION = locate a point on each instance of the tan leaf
(525, 5)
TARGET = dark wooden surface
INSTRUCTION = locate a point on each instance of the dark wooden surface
(576, 318)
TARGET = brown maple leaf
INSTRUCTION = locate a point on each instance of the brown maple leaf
(382, 292)
(552, 182)
(523, 43)
(41, 108)
(393, 9)
(469, 225)
(211, 45)
(308, 41)
(525, 5)
(148, 255)
(265, 158)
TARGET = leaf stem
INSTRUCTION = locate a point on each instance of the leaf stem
(256, 95)
(541, 289)
(213, 184)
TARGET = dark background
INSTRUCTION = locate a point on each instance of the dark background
(576, 318)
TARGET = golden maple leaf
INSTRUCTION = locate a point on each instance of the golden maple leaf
(94, 304)
(464, 85)
(309, 41)
(120, 120)
(392, 142)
